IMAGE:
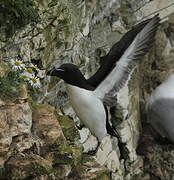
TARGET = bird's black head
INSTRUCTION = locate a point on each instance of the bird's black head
(70, 74)
(65, 71)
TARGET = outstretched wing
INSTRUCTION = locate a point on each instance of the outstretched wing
(107, 62)
(120, 73)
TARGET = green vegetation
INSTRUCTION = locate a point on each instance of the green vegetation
(15, 14)
(103, 175)
(10, 86)
(2, 173)
(40, 168)
(34, 92)
(68, 128)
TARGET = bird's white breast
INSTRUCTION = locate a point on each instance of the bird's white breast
(165, 90)
(160, 108)
(89, 109)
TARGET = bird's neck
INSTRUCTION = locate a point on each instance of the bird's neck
(80, 82)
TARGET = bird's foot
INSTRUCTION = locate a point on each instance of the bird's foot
(93, 152)
(80, 127)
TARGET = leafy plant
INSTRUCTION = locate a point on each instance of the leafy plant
(21, 72)
(10, 86)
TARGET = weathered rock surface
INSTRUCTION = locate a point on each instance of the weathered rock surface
(45, 124)
(15, 122)
(33, 143)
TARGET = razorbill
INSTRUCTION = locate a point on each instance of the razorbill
(89, 97)
(160, 109)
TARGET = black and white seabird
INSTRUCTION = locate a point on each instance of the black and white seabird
(88, 97)
(160, 109)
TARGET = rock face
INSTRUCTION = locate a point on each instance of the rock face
(45, 124)
(33, 144)
(36, 140)
(15, 122)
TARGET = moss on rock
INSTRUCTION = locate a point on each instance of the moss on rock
(68, 127)
(103, 175)
(14, 15)
(36, 106)
(67, 154)
(30, 165)
(2, 173)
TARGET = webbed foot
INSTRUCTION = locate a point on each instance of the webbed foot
(93, 152)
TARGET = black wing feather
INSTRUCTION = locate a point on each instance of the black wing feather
(117, 78)
(117, 50)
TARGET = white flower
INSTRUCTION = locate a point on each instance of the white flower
(30, 65)
(26, 76)
(28, 73)
(17, 64)
(35, 82)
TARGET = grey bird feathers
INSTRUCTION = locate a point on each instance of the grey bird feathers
(87, 96)
(160, 109)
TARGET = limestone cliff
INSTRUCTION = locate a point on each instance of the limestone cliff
(38, 137)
